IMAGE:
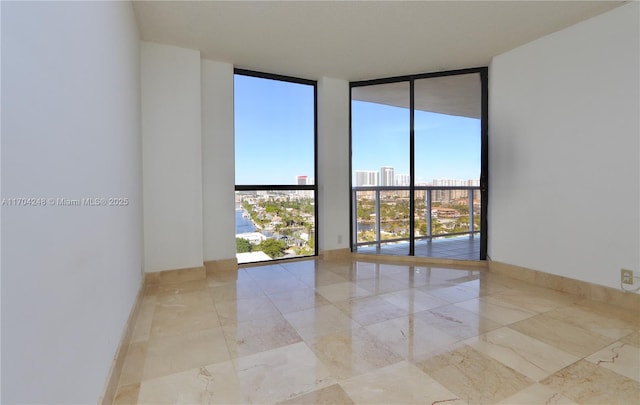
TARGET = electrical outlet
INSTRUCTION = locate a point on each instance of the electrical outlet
(626, 276)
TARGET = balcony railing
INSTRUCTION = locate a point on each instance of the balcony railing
(381, 213)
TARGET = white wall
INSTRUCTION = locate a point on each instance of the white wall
(70, 129)
(564, 151)
(218, 165)
(172, 157)
(333, 163)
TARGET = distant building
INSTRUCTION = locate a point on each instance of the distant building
(386, 176)
(403, 180)
(304, 181)
(249, 257)
(446, 196)
(254, 237)
(366, 178)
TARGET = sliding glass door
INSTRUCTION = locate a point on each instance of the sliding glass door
(380, 165)
(419, 165)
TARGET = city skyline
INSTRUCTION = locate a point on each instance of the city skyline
(365, 178)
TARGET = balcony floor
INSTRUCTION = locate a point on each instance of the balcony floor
(459, 248)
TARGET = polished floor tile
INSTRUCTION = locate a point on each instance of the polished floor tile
(632, 339)
(352, 352)
(342, 291)
(179, 288)
(370, 310)
(170, 354)
(587, 383)
(619, 357)
(297, 299)
(536, 298)
(537, 394)
(456, 293)
(409, 337)
(562, 335)
(332, 395)
(212, 384)
(605, 325)
(174, 321)
(413, 300)
(345, 331)
(497, 310)
(528, 356)
(457, 322)
(247, 309)
(474, 377)
(399, 383)
(235, 291)
(316, 322)
(259, 335)
(281, 374)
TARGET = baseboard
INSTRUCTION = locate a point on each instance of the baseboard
(568, 285)
(117, 364)
(176, 276)
(335, 254)
(214, 266)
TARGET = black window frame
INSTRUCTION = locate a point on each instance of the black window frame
(282, 187)
(483, 72)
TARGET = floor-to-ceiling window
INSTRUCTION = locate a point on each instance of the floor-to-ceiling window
(419, 165)
(275, 166)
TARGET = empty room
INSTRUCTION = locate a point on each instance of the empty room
(376, 202)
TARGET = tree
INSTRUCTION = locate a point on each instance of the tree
(273, 248)
(243, 245)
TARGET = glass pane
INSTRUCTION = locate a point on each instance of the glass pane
(366, 224)
(447, 154)
(421, 214)
(274, 131)
(477, 204)
(450, 212)
(274, 224)
(380, 135)
(380, 161)
(448, 130)
(394, 215)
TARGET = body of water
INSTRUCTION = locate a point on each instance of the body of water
(243, 225)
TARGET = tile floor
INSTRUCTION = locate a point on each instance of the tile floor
(345, 332)
(459, 248)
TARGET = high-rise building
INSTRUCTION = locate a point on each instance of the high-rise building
(386, 176)
(366, 178)
(403, 180)
(304, 181)
(450, 195)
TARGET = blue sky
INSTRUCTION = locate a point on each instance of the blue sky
(274, 136)
(273, 131)
(446, 146)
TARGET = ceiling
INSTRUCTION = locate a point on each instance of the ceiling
(459, 95)
(356, 40)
